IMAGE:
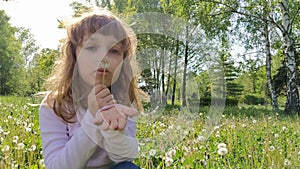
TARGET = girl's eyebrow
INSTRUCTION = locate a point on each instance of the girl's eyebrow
(113, 42)
(118, 45)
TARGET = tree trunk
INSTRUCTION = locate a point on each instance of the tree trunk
(292, 104)
(163, 55)
(169, 75)
(175, 72)
(186, 54)
(268, 67)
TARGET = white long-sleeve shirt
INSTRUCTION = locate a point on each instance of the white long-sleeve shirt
(83, 144)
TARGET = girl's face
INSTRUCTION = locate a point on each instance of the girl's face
(99, 59)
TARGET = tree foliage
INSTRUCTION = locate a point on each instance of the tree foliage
(10, 58)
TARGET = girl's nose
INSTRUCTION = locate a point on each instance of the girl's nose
(104, 63)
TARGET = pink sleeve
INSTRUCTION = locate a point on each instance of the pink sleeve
(58, 149)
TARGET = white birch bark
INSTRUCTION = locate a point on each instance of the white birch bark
(292, 96)
(274, 101)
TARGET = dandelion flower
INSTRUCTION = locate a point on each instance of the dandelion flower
(5, 148)
(287, 162)
(168, 161)
(152, 152)
(27, 129)
(32, 148)
(42, 163)
(271, 148)
(285, 129)
(6, 133)
(222, 151)
(201, 138)
(20, 146)
(221, 145)
(182, 160)
(171, 153)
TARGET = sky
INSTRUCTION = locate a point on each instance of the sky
(40, 16)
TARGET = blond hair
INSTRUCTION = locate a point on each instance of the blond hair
(61, 80)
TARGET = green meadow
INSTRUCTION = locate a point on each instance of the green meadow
(245, 137)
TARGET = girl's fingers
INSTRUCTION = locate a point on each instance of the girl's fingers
(98, 119)
(105, 125)
(99, 87)
(103, 92)
(112, 101)
(114, 124)
(126, 111)
(122, 123)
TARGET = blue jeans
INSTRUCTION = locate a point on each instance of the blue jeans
(125, 165)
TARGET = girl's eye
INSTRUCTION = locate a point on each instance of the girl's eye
(91, 48)
(114, 51)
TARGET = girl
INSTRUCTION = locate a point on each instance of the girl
(88, 119)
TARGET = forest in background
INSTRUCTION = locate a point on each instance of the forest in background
(193, 62)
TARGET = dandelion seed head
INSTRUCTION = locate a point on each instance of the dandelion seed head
(284, 129)
(20, 146)
(171, 153)
(221, 145)
(182, 160)
(271, 148)
(28, 129)
(152, 152)
(168, 161)
(30, 125)
(200, 138)
(32, 148)
(286, 162)
(222, 151)
(5, 148)
(42, 163)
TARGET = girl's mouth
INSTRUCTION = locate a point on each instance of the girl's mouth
(103, 71)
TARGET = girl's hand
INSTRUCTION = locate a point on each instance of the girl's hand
(99, 97)
(114, 117)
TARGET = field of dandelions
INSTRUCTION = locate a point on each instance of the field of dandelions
(245, 137)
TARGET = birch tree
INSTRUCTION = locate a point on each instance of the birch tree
(292, 104)
(266, 31)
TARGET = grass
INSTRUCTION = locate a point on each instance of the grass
(253, 137)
